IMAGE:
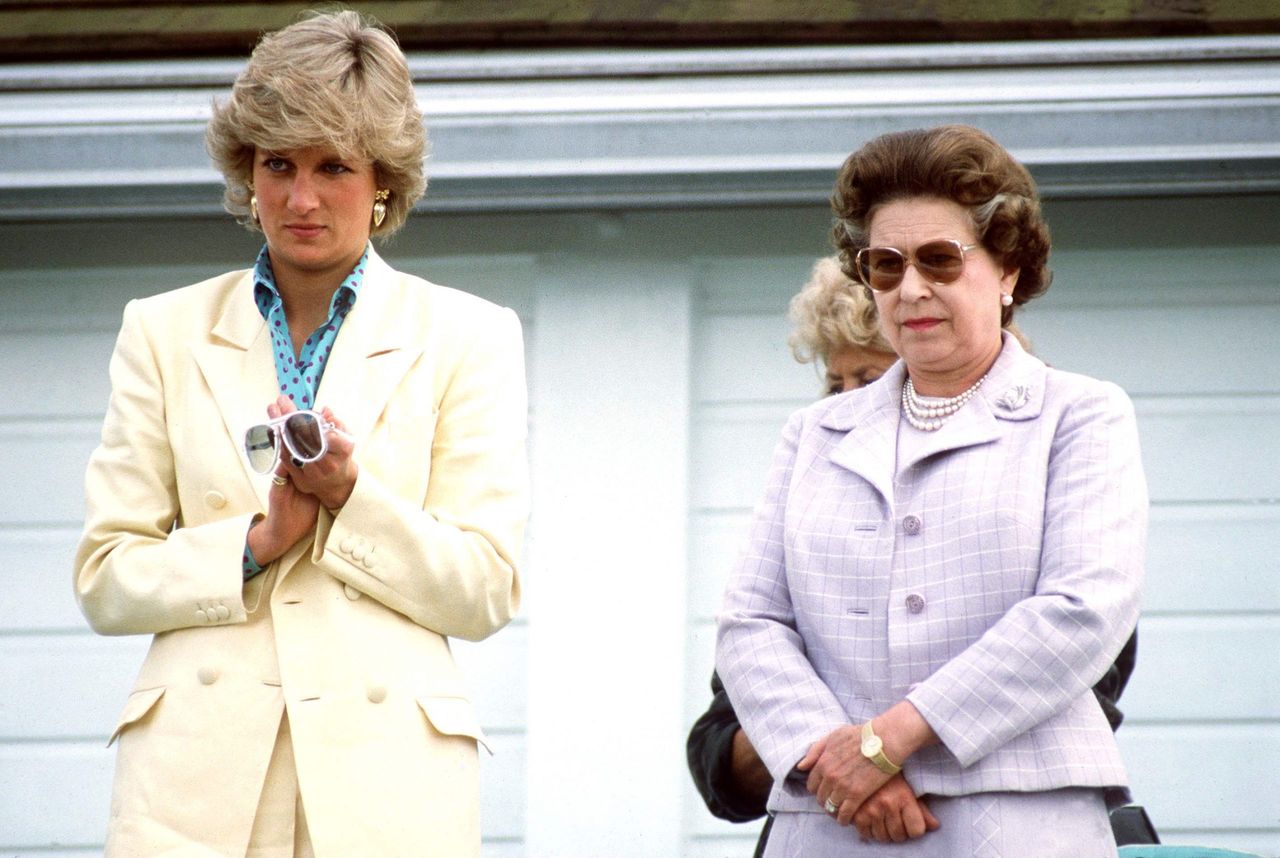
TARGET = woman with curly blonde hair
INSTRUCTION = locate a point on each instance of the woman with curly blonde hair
(312, 474)
(833, 323)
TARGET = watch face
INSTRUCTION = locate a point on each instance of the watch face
(871, 746)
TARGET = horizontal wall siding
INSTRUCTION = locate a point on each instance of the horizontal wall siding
(1177, 305)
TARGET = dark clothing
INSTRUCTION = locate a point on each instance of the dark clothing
(710, 743)
(710, 750)
(1112, 683)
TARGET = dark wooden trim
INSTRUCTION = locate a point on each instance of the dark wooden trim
(40, 30)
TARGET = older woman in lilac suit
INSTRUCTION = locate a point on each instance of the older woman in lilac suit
(946, 561)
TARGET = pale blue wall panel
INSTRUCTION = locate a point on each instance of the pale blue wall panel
(37, 563)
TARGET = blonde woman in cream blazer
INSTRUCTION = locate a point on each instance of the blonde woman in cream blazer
(315, 708)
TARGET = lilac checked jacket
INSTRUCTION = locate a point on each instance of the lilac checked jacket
(989, 580)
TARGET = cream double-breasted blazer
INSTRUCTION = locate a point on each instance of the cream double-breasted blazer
(349, 630)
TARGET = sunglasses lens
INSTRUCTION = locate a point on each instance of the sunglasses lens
(260, 447)
(940, 261)
(881, 267)
(306, 436)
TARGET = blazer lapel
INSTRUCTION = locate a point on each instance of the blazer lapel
(1013, 390)
(972, 425)
(871, 423)
(373, 351)
(237, 365)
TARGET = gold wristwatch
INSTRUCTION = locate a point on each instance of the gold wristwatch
(873, 750)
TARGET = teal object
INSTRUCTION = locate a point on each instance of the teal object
(1170, 851)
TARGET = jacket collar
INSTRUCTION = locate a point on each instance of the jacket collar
(371, 354)
(1012, 391)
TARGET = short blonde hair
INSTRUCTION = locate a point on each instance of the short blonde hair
(832, 313)
(334, 79)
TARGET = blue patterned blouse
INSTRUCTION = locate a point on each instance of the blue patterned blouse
(299, 376)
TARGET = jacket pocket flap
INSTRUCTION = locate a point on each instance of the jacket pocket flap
(454, 716)
(140, 703)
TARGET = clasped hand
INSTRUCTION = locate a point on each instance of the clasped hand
(298, 491)
(882, 807)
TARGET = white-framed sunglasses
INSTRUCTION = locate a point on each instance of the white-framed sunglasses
(303, 434)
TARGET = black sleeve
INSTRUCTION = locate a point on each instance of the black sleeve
(710, 750)
(1111, 686)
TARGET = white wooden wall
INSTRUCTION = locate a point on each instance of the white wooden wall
(659, 381)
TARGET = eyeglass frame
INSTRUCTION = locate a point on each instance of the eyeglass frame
(910, 259)
(283, 421)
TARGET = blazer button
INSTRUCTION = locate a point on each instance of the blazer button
(207, 675)
(911, 524)
(215, 499)
(377, 694)
(915, 603)
(346, 545)
(369, 560)
(352, 592)
(201, 615)
(357, 553)
(223, 612)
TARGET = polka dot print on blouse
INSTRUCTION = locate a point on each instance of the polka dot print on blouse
(299, 377)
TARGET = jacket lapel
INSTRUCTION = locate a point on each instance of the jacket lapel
(374, 349)
(237, 365)
(870, 420)
(1014, 390)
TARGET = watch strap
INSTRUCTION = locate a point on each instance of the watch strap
(878, 759)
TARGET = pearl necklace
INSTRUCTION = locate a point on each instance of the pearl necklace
(930, 417)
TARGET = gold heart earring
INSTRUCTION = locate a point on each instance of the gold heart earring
(380, 207)
(253, 204)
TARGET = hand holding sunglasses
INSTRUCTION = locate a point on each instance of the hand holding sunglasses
(301, 432)
(301, 438)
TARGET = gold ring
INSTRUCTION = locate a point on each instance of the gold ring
(279, 480)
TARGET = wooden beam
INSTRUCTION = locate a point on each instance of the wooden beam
(36, 30)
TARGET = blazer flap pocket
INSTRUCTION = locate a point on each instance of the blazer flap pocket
(139, 704)
(454, 716)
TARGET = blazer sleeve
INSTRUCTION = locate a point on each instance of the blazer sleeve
(1051, 647)
(137, 570)
(450, 565)
(783, 704)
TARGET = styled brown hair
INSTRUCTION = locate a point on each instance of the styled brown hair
(332, 79)
(951, 162)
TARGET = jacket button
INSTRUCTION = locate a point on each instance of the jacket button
(915, 603)
(215, 499)
(369, 560)
(223, 612)
(201, 615)
(357, 553)
(346, 545)
(207, 675)
(911, 524)
(352, 592)
(377, 694)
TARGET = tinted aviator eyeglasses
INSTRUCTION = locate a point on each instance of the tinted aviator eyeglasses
(303, 434)
(940, 262)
